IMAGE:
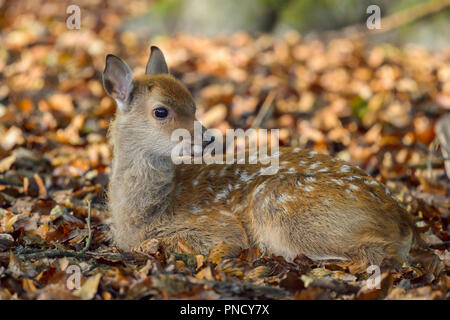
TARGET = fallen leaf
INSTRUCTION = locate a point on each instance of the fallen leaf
(223, 251)
(183, 247)
(6, 241)
(149, 246)
(89, 287)
(19, 268)
(369, 292)
(205, 273)
(7, 162)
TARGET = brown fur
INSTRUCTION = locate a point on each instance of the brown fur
(331, 210)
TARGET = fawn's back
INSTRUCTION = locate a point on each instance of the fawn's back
(314, 205)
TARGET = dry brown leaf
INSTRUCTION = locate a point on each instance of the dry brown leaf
(200, 259)
(180, 265)
(19, 268)
(149, 246)
(223, 251)
(259, 272)
(56, 291)
(6, 241)
(7, 162)
(9, 227)
(11, 138)
(367, 292)
(205, 273)
(89, 287)
(183, 247)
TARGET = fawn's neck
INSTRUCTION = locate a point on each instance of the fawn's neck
(141, 183)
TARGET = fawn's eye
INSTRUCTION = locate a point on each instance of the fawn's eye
(160, 113)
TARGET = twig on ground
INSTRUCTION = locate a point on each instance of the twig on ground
(41, 185)
(263, 254)
(431, 152)
(32, 254)
(264, 109)
(88, 222)
(440, 246)
(430, 157)
(53, 253)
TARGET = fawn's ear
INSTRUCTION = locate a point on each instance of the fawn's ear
(156, 63)
(118, 81)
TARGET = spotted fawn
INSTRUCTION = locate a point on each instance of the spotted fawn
(315, 205)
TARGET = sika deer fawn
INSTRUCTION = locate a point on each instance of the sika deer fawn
(316, 205)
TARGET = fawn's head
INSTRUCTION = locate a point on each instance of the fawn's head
(150, 106)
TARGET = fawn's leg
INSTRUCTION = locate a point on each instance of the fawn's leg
(198, 237)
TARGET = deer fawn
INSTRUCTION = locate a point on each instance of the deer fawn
(316, 205)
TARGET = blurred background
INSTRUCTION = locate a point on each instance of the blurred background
(311, 68)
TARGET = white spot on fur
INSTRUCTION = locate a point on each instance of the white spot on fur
(308, 189)
(269, 170)
(223, 171)
(310, 179)
(338, 181)
(292, 170)
(245, 177)
(302, 163)
(276, 154)
(323, 169)
(237, 207)
(298, 183)
(296, 150)
(351, 178)
(226, 213)
(195, 182)
(315, 165)
(312, 154)
(285, 197)
(350, 193)
(345, 168)
(353, 187)
(220, 195)
(369, 182)
(196, 210)
(260, 187)
(284, 162)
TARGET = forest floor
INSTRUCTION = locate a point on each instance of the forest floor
(375, 106)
